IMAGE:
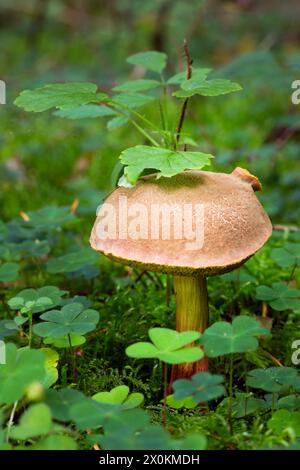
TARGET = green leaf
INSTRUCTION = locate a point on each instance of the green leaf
(85, 111)
(73, 261)
(61, 401)
(282, 420)
(22, 367)
(177, 404)
(166, 347)
(117, 122)
(120, 396)
(169, 340)
(64, 341)
(273, 379)
(132, 100)
(36, 300)
(198, 75)
(167, 162)
(36, 421)
(280, 296)
(59, 95)
(9, 272)
(72, 318)
(214, 87)
(51, 362)
(244, 405)
(225, 338)
(287, 256)
(137, 85)
(89, 413)
(55, 443)
(201, 388)
(150, 60)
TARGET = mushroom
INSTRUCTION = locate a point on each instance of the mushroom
(193, 225)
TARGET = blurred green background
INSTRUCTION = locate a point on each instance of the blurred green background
(48, 160)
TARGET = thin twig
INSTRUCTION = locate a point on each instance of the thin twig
(11, 420)
(185, 103)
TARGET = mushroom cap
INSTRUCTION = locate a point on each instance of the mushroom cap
(220, 210)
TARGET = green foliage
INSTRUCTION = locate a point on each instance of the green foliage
(22, 367)
(279, 296)
(72, 318)
(201, 388)
(167, 346)
(283, 421)
(214, 87)
(36, 300)
(36, 421)
(225, 338)
(59, 95)
(9, 272)
(120, 396)
(167, 162)
(273, 379)
(151, 60)
(288, 255)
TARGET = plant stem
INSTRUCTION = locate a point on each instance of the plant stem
(72, 357)
(30, 329)
(165, 395)
(191, 314)
(292, 273)
(11, 420)
(185, 103)
(140, 116)
(145, 133)
(168, 290)
(230, 393)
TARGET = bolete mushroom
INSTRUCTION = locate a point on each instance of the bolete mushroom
(193, 225)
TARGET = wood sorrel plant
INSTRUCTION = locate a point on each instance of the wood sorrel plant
(166, 152)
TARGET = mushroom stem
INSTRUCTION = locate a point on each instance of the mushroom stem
(191, 314)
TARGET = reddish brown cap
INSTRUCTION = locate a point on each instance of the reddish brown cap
(221, 211)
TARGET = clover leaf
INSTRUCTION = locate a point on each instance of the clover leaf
(289, 255)
(280, 296)
(225, 338)
(202, 387)
(36, 300)
(213, 87)
(273, 379)
(120, 396)
(167, 346)
(72, 318)
(22, 367)
(35, 421)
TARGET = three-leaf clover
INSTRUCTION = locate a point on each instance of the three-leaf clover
(72, 318)
(202, 387)
(289, 255)
(225, 338)
(121, 397)
(280, 296)
(168, 346)
(273, 379)
(36, 300)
